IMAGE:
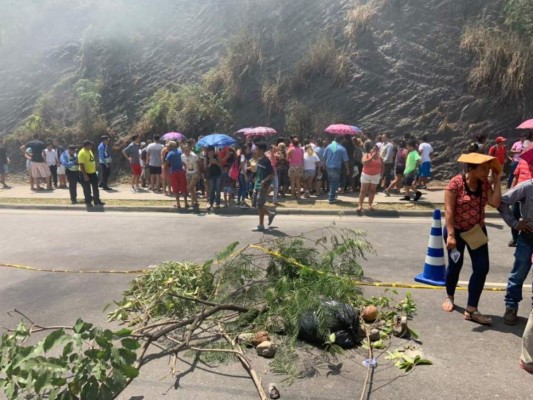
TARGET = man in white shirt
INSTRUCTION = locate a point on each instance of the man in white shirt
(154, 162)
(387, 155)
(52, 161)
(424, 170)
(190, 164)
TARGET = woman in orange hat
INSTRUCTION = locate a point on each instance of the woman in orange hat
(465, 199)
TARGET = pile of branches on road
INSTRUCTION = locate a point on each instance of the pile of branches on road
(203, 308)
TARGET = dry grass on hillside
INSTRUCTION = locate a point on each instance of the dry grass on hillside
(323, 59)
(272, 94)
(503, 61)
(359, 17)
(243, 57)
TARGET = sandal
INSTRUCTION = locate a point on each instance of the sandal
(526, 367)
(447, 305)
(476, 316)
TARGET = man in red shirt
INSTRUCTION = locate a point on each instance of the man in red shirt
(522, 173)
(499, 151)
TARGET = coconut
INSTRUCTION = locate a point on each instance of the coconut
(260, 337)
(370, 313)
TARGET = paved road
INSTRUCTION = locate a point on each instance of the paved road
(471, 362)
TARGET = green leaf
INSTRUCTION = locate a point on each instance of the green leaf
(414, 334)
(68, 349)
(90, 389)
(130, 371)
(122, 333)
(130, 344)
(52, 339)
(44, 379)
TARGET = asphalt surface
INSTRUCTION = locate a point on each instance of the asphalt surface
(470, 361)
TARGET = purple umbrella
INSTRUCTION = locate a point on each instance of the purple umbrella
(174, 136)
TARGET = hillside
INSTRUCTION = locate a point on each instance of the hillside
(81, 68)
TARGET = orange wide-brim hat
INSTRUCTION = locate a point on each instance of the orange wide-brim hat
(477, 158)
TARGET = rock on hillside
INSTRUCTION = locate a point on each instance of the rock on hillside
(402, 69)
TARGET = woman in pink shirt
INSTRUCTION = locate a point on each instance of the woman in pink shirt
(295, 156)
(370, 176)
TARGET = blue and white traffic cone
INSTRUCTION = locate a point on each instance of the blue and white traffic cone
(434, 267)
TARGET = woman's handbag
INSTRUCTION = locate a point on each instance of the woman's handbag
(475, 237)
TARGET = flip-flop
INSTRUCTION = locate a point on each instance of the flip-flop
(476, 316)
(447, 305)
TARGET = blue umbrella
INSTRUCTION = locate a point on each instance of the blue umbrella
(217, 140)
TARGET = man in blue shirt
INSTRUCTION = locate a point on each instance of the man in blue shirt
(104, 158)
(334, 157)
(69, 160)
(178, 178)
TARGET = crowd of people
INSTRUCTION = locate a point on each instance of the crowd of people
(229, 175)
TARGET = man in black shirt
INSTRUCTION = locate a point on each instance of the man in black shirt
(39, 167)
(4, 164)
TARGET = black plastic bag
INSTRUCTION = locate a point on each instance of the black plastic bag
(339, 318)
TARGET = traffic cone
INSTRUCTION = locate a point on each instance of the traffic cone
(434, 267)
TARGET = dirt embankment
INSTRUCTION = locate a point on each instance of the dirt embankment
(402, 66)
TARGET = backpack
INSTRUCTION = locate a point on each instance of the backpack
(234, 170)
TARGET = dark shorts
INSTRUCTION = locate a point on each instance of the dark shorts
(260, 196)
(155, 170)
(409, 178)
(424, 170)
(178, 182)
(399, 170)
(136, 169)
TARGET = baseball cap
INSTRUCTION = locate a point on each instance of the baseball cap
(500, 139)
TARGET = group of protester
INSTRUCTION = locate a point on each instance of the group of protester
(466, 197)
(338, 165)
(51, 164)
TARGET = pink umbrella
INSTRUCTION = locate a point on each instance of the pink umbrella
(174, 136)
(341, 129)
(258, 131)
(526, 124)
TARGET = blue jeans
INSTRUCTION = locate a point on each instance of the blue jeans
(243, 188)
(517, 214)
(334, 177)
(521, 267)
(214, 195)
(480, 268)
(514, 164)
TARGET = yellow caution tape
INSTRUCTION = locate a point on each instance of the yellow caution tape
(67, 271)
(272, 253)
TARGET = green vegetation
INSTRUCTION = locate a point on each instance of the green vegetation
(79, 362)
(191, 109)
(298, 118)
(88, 98)
(519, 16)
(203, 310)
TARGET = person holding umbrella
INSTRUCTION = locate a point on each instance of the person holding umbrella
(178, 179)
(334, 158)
